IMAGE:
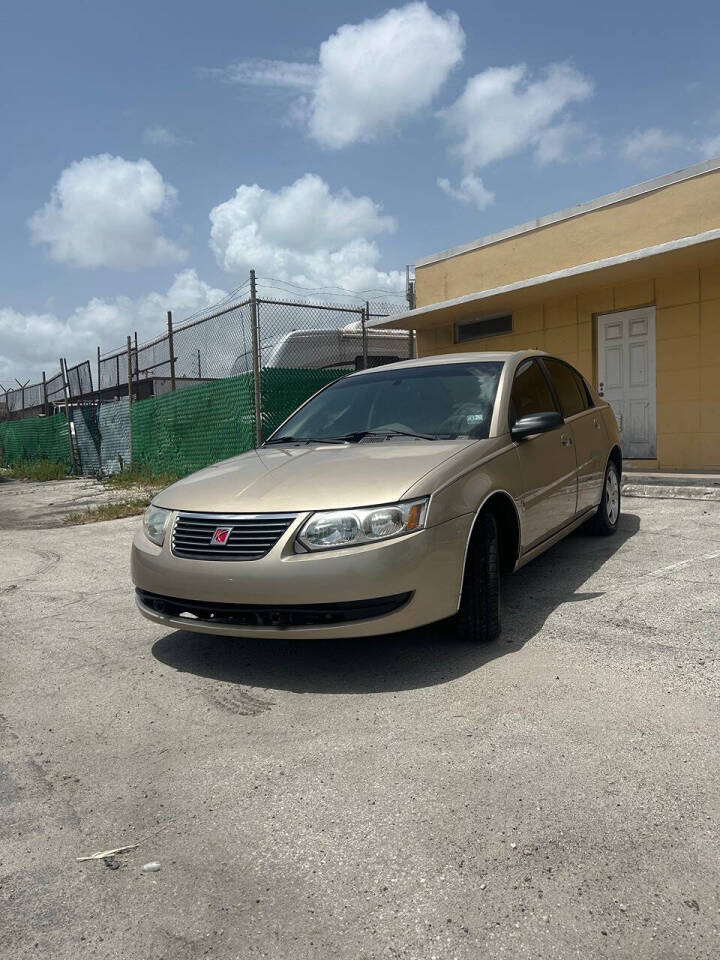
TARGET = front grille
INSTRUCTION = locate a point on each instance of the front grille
(280, 615)
(251, 536)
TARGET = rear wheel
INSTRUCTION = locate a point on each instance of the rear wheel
(478, 619)
(605, 521)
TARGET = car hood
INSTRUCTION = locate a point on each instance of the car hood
(315, 477)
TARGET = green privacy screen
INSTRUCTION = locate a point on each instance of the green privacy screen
(196, 426)
(183, 431)
(283, 390)
(175, 433)
(38, 438)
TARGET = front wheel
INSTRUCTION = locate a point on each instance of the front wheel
(478, 619)
(605, 521)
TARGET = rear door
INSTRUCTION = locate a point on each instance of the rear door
(586, 427)
(547, 461)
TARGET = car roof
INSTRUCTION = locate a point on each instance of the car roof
(468, 357)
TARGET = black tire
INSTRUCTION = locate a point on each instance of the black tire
(478, 619)
(605, 522)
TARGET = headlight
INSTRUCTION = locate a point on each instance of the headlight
(154, 524)
(349, 528)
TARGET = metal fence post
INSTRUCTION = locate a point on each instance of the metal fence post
(98, 373)
(364, 317)
(22, 393)
(130, 400)
(137, 368)
(46, 406)
(68, 418)
(171, 348)
(257, 393)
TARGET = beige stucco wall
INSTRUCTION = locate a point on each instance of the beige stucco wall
(688, 348)
(679, 210)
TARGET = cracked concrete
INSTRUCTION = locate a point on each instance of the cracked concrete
(32, 505)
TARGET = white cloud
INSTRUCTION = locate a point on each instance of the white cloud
(159, 136)
(370, 76)
(102, 213)
(648, 147)
(503, 111)
(711, 147)
(31, 342)
(304, 234)
(470, 190)
(267, 73)
(379, 72)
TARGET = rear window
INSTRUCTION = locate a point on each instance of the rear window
(566, 387)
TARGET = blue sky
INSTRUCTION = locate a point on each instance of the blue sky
(404, 130)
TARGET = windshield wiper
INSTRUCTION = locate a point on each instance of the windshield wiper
(305, 440)
(361, 434)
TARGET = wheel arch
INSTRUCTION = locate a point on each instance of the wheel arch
(615, 456)
(503, 508)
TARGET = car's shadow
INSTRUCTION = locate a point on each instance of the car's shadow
(417, 658)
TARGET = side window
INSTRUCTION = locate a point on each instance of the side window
(584, 392)
(530, 392)
(566, 387)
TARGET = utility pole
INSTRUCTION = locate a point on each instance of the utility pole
(254, 325)
(410, 296)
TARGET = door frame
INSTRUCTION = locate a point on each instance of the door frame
(636, 313)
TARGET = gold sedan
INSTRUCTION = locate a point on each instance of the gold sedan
(393, 498)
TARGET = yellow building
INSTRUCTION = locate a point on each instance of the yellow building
(626, 288)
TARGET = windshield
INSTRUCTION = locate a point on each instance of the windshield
(438, 400)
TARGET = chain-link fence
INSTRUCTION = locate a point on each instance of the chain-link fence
(250, 361)
(297, 340)
(32, 399)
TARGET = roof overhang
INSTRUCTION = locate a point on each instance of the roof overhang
(695, 251)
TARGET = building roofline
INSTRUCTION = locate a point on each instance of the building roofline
(406, 319)
(628, 193)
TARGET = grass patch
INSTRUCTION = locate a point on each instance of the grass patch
(40, 470)
(108, 511)
(139, 477)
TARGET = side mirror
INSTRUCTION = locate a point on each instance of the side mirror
(536, 423)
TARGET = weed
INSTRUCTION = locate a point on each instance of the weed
(139, 477)
(40, 470)
(108, 511)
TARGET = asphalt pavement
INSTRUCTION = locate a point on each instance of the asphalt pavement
(553, 795)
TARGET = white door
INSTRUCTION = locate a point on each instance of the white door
(626, 377)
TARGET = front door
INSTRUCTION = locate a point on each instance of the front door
(548, 470)
(626, 377)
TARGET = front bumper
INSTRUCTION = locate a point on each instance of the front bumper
(427, 565)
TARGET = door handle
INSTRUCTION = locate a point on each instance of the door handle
(565, 440)
(596, 423)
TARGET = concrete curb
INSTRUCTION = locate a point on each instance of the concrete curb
(659, 491)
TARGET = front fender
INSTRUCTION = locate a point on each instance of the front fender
(465, 492)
